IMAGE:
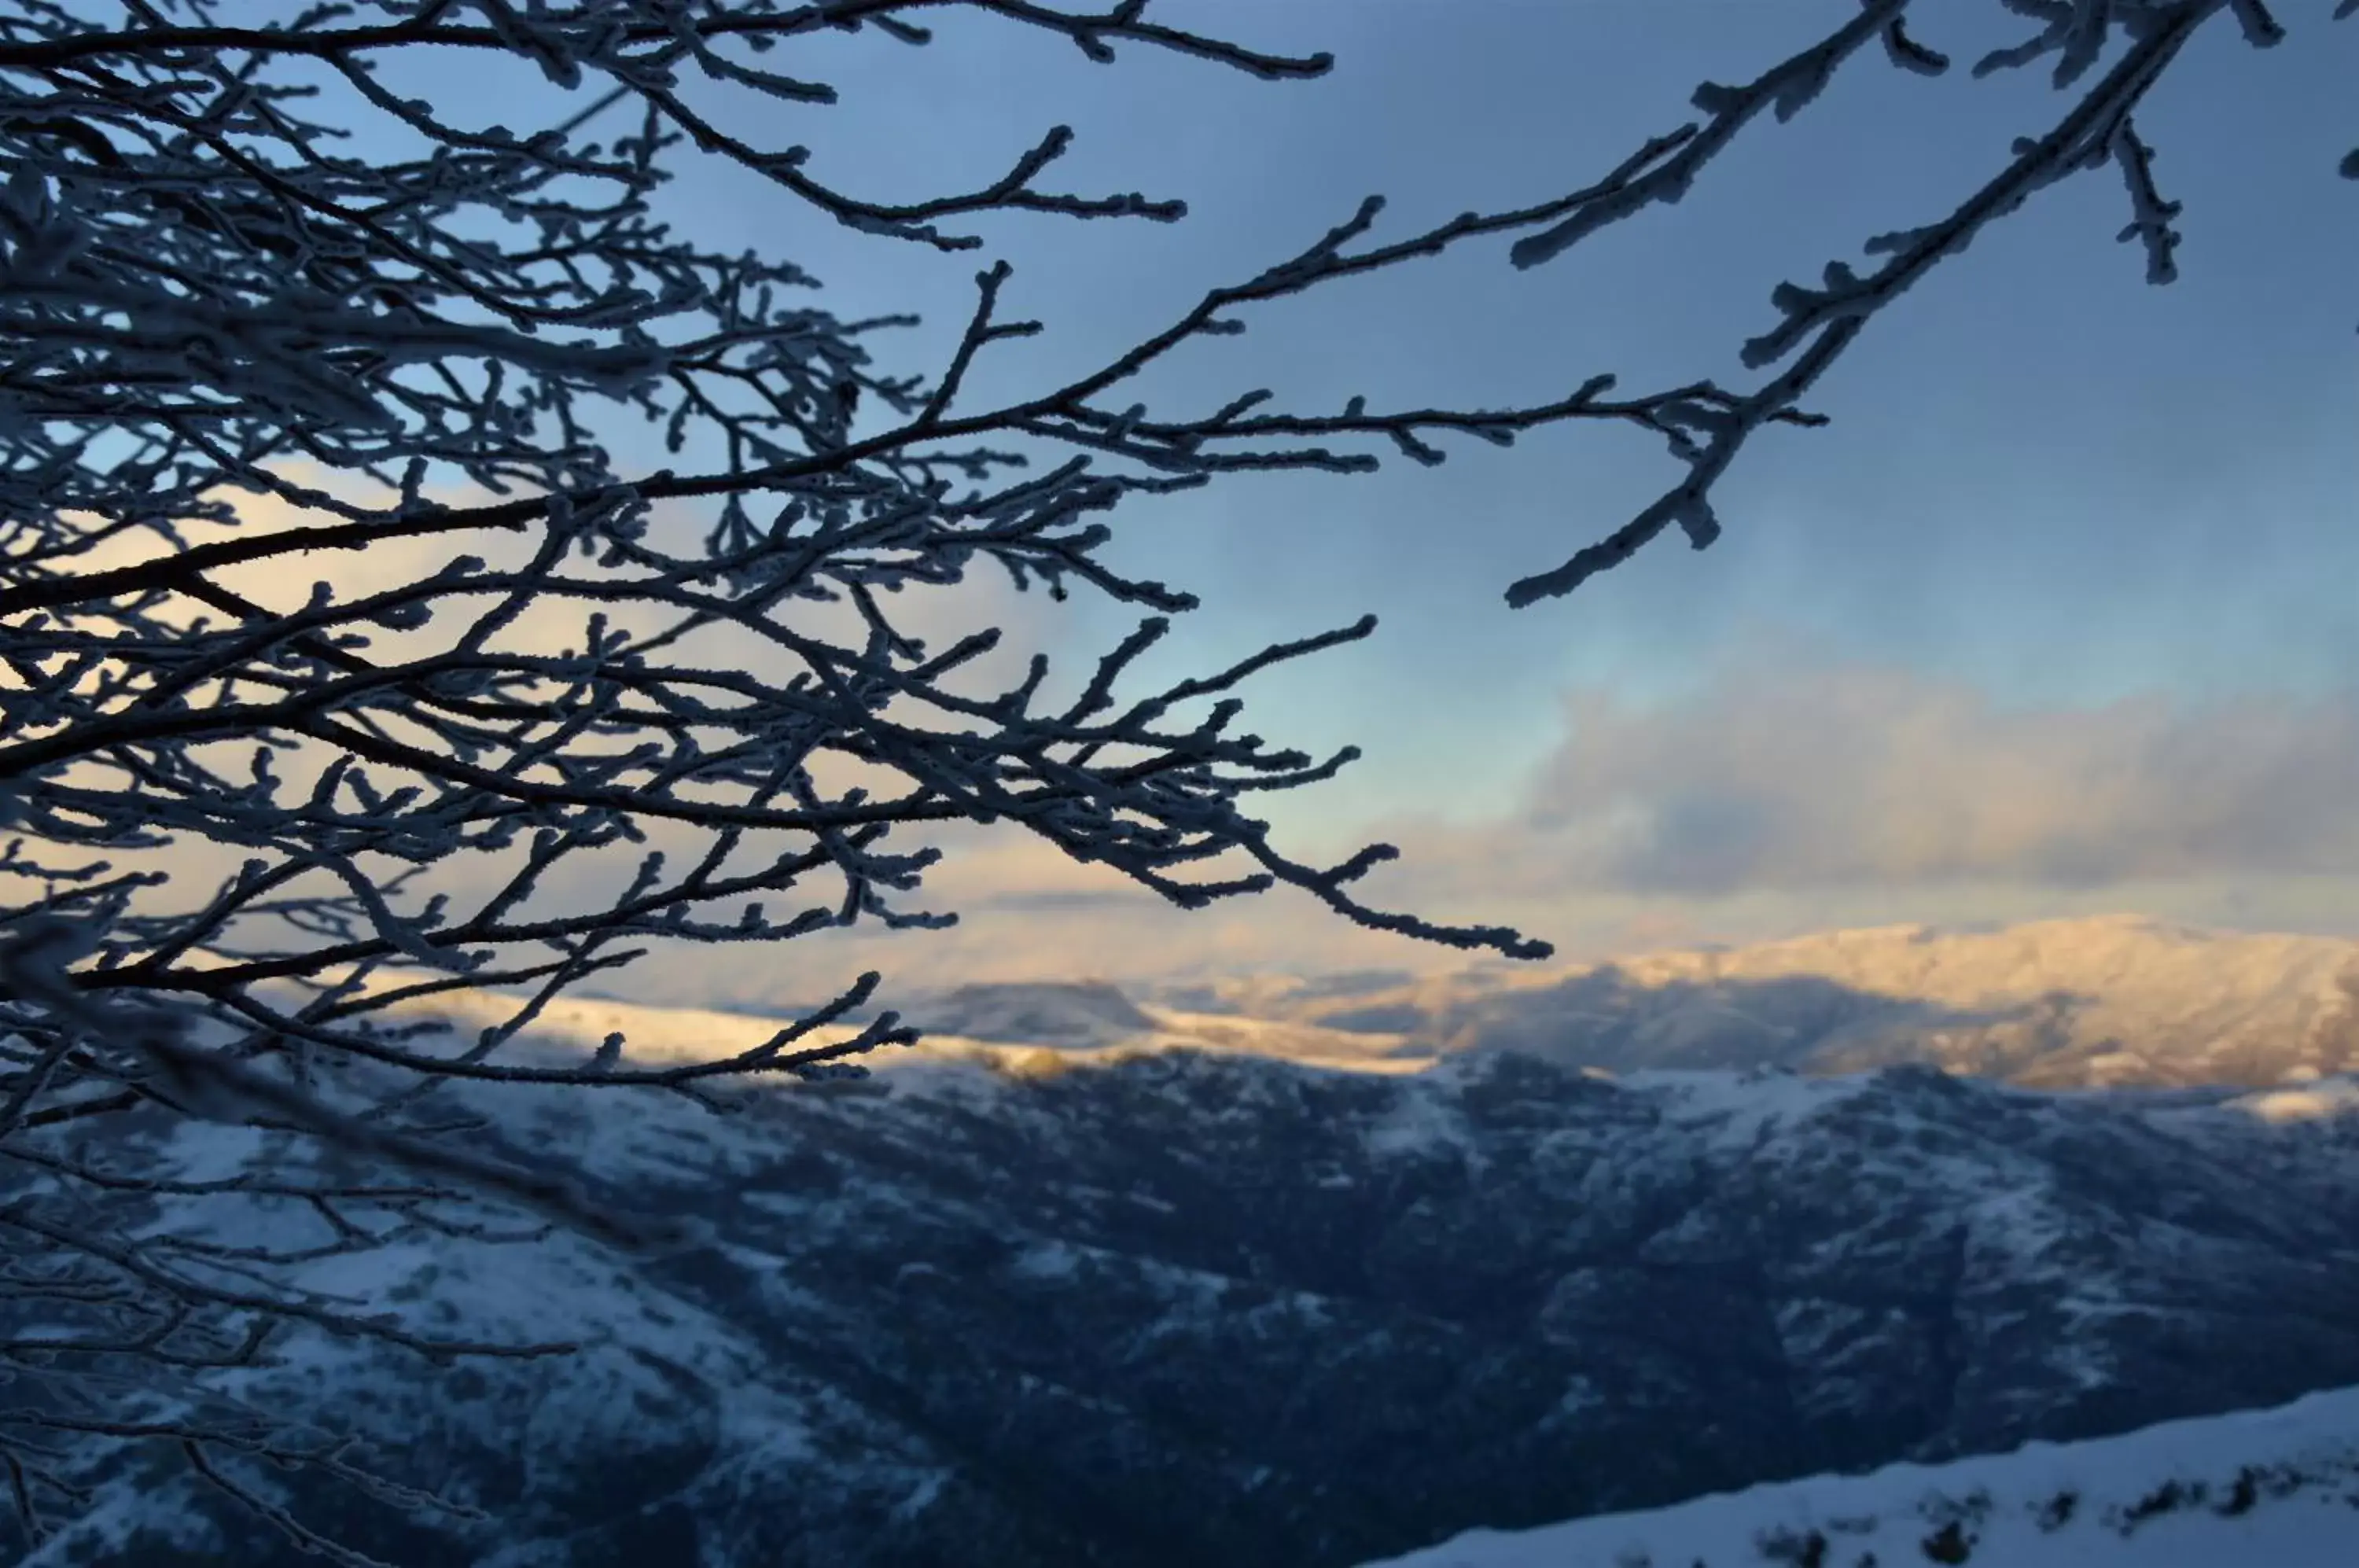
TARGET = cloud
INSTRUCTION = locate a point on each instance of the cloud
(548, 625)
(1785, 796)
(1788, 793)
(1785, 778)
(937, 616)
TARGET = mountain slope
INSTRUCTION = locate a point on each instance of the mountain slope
(1176, 1307)
(2277, 1486)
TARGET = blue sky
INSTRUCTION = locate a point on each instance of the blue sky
(2049, 490)
(2044, 473)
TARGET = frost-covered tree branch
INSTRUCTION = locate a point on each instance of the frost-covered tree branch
(1814, 325)
(217, 305)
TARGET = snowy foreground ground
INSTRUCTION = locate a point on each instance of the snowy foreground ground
(2275, 1489)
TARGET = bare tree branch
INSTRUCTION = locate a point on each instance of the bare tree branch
(208, 301)
(1817, 325)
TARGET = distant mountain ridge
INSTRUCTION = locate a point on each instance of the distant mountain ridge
(1050, 1013)
(2116, 1000)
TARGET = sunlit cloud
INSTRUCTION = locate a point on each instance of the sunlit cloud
(1785, 796)
(1799, 779)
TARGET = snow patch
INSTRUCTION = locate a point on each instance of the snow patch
(2315, 1101)
(2275, 1487)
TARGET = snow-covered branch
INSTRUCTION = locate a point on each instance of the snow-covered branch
(212, 308)
(1816, 323)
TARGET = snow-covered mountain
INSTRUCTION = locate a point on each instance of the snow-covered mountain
(2275, 1487)
(2057, 1004)
(1147, 1307)
(2109, 1001)
(1078, 1022)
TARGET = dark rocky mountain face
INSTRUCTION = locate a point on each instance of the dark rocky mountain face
(1184, 1310)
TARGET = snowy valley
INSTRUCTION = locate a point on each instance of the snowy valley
(1267, 1291)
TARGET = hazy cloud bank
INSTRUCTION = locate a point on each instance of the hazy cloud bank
(1784, 798)
(1792, 779)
